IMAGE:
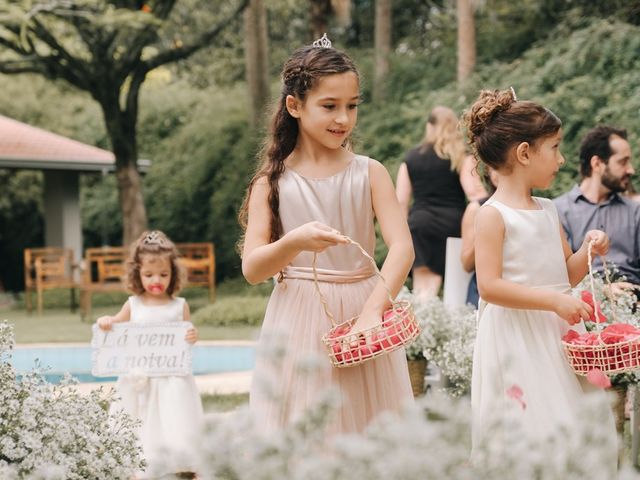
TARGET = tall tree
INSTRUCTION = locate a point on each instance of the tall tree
(322, 10)
(382, 48)
(107, 48)
(466, 39)
(256, 58)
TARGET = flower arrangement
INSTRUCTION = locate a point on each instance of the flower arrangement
(447, 338)
(52, 432)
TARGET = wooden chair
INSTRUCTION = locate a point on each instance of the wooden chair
(46, 269)
(103, 271)
(199, 261)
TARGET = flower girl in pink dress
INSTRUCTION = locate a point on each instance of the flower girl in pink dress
(309, 191)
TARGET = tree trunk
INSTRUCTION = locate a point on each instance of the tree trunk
(320, 11)
(382, 48)
(121, 131)
(466, 39)
(256, 58)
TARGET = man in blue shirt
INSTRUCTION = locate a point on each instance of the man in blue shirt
(599, 202)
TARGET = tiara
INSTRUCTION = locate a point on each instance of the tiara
(513, 94)
(322, 42)
(153, 238)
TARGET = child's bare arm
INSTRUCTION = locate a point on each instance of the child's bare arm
(262, 259)
(192, 334)
(577, 263)
(494, 289)
(467, 232)
(396, 235)
(123, 315)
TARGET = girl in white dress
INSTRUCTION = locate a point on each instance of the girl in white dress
(169, 407)
(525, 269)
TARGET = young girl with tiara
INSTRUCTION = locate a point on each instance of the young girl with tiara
(525, 269)
(168, 407)
(309, 192)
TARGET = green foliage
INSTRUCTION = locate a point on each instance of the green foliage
(193, 116)
(20, 222)
(237, 304)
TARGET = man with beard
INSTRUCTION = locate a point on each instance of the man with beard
(599, 203)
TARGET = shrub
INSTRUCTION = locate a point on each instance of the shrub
(53, 432)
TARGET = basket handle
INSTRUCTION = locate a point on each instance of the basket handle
(609, 291)
(323, 300)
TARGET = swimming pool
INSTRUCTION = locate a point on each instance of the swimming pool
(76, 360)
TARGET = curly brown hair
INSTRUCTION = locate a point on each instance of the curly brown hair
(497, 121)
(153, 242)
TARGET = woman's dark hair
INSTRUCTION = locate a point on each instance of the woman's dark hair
(496, 122)
(596, 142)
(300, 75)
(153, 243)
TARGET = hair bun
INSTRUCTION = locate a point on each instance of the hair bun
(485, 108)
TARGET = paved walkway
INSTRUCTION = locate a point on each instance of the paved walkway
(219, 383)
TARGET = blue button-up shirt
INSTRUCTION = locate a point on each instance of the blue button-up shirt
(618, 216)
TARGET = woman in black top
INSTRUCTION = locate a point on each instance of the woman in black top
(438, 174)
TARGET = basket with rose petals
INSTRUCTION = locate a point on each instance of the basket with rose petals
(612, 349)
(397, 328)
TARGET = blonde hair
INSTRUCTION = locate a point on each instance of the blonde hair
(153, 243)
(443, 134)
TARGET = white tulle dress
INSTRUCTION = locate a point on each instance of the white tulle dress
(523, 347)
(169, 407)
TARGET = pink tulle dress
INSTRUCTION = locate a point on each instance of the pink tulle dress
(292, 369)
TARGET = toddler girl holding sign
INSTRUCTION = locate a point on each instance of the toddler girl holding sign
(169, 407)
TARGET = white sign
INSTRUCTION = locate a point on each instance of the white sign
(156, 350)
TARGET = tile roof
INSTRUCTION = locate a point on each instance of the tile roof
(28, 147)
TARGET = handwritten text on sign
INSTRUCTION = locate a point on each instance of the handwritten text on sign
(157, 349)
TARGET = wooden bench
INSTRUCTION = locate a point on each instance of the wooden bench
(199, 262)
(47, 269)
(104, 270)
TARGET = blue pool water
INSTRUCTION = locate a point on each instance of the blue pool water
(206, 359)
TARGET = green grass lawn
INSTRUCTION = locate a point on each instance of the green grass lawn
(59, 324)
(223, 403)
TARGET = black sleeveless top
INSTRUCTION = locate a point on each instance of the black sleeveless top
(433, 182)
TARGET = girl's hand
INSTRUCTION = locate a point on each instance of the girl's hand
(316, 237)
(191, 336)
(366, 320)
(600, 241)
(105, 322)
(572, 309)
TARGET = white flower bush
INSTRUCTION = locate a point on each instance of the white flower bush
(429, 440)
(52, 432)
(446, 339)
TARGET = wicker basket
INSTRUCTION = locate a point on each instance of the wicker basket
(610, 358)
(397, 328)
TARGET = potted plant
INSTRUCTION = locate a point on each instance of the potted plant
(446, 339)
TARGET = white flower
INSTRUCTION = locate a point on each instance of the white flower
(52, 432)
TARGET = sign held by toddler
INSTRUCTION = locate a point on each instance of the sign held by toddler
(156, 350)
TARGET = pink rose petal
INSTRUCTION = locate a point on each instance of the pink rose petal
(515, 393)
(597, 378)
